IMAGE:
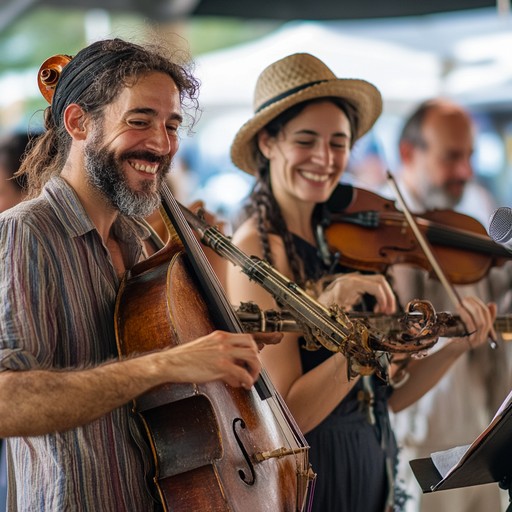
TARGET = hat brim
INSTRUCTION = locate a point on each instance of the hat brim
(364, 96)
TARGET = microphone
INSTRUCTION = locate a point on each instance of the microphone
(500, 227)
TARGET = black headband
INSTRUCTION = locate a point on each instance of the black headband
(80, 73)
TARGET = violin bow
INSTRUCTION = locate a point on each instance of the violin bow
(450, 290)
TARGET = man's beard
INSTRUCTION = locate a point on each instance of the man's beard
(436, 197)
(104, 172)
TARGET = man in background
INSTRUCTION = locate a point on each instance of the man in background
(436, 145)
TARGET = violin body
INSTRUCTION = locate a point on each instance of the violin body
(370, 233)
(207, 439)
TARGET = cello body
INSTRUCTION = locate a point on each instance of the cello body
(210, 442)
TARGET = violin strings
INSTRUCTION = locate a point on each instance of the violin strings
(452, 236)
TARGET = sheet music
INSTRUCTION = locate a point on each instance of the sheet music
(447, 461)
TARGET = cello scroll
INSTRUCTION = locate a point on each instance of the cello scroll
(49, 74)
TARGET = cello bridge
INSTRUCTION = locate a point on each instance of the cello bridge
(278, 453)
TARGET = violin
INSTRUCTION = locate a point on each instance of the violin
(369, 233)
(398, 330)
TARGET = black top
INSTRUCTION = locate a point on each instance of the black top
(353, 451)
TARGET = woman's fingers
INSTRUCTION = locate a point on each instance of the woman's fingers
(478, 318)
(347, 290)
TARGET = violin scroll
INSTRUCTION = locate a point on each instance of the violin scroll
(49, 74)
(412, 332)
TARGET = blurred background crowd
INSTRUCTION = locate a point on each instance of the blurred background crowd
(456, 48)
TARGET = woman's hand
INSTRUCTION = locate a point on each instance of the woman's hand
(346, 290)
(479, 319)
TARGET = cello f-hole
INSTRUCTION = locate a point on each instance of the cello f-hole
(241, 472)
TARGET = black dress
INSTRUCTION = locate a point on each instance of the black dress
(353, 451)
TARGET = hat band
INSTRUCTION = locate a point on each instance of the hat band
(286, 94)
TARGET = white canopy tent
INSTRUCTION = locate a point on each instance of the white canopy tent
(403, 76)
(404, 73)
(228, 77)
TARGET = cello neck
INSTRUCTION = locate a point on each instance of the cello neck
(209, 282)
(215, 298)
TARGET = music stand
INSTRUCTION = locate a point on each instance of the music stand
(488, 459)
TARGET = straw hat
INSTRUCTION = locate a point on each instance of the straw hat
(294, 79)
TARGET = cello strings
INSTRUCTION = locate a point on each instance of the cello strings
(284, 420)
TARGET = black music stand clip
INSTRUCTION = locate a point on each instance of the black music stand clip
(505, 484)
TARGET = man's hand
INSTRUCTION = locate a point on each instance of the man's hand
(232, 358)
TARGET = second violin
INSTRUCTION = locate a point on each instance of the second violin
(369, 233)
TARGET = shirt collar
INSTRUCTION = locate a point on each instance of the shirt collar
(70, 211)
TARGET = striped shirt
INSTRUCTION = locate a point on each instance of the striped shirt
(58, 289)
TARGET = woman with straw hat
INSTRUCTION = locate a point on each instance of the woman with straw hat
(297, 145)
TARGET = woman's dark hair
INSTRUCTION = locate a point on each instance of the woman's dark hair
(93, 79)
(261, 201)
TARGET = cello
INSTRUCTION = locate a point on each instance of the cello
(215, 447)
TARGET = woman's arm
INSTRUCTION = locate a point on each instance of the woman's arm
(311, 397)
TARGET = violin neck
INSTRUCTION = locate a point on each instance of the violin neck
(463, 239)
(253, 319)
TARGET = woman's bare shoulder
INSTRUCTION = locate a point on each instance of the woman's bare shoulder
(247, 236)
